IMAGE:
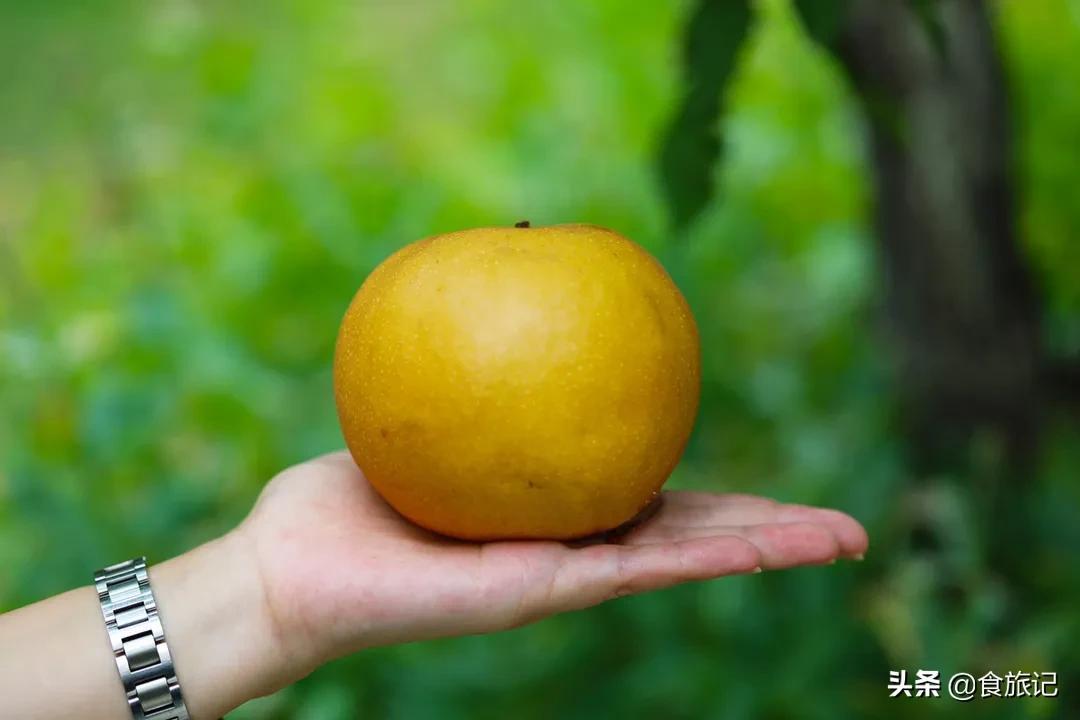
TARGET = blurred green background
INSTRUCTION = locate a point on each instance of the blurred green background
(190, 192)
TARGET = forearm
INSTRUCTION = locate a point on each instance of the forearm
(55, 658)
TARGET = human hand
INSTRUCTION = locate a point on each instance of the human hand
(322, 567)
(341, 570)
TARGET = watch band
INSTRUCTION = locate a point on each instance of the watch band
(138, 642)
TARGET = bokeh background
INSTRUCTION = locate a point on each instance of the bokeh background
(190, 192)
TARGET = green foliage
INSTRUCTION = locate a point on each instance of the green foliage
(1042, 47)
(822, 19)
(190, 192)
(691, 147)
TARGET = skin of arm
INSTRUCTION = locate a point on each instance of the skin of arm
(322, 567)
(55, 658)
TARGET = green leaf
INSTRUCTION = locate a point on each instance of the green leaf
(929, 15)
(691, 147)
(822, 19)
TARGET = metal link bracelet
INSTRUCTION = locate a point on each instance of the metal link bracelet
(138, 642)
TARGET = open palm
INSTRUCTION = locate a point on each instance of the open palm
(342, 570)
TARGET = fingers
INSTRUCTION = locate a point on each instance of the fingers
(792, 544)
(696, 499)
(710, 513)
(591, 575)
(850, 535)
(781, 545)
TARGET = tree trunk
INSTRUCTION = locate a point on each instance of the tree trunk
(959, 298)
(962, 312)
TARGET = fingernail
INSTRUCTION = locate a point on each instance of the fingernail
(756, 570)
(859, 557)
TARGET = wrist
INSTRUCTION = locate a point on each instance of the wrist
(224, 641)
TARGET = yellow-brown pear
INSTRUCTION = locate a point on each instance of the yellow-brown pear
(516, 382)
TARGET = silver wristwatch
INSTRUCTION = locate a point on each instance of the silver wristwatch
(138, 642)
